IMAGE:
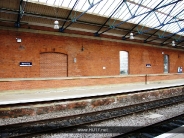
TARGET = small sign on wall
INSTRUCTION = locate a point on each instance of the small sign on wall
(179, 69)
(25, 64)
(148, 65)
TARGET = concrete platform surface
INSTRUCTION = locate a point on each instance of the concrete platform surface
(38, 95)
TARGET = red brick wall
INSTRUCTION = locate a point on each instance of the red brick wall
(25, 84)
(53, 65)
(90, 62)
(58, 83)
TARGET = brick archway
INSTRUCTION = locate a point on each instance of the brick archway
(53, 65)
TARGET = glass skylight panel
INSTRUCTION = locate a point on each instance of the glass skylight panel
(108, 11)
(57, 3)
(180, 6)
(44, 1)
(32, 0)
(125, 14)
(152, 23)
(86, 6)
(65, 3)
(104, 8)
(93, 9)
(136, 9)
(161, 17)
(100, 7)
(132, 8)
(169, 19)
(136, 20)
(49, 2)
(182, 24)
(142, 10)
(164, 28)
(148, 21)
(174, 28)
(61, 3)
(171, 28)
(71, 4)
(178, 12)
(122, 12)
(145, 2)
(168, 9)
(153, 3)
(112, 7)
(77, 6)
(82, 4)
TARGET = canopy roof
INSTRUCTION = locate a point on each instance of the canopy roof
(159, 21)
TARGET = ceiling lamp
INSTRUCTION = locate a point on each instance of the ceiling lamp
(56, 24)
(173, 43)
(131, 36)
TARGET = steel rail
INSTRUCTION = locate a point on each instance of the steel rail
(56, 124)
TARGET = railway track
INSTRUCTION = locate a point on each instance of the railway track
(156, 129)
(69, 123)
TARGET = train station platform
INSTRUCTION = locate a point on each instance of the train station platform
(50, 94)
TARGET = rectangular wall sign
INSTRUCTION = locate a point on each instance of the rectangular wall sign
(25, 63)
(148, 65)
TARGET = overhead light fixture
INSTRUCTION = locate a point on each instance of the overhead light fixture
(56, 24)
(131, 36)
(173, 43)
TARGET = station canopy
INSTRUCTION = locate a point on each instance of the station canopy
(149, 21)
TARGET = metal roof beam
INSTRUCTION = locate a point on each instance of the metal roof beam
(157, 18)
(138, 7)
(181, 30)
(170, 12)
(163, 22)
(61, 29)
(145, 41)
(161, 25)
(76, 18)
(97, 33)
(160, 28)
(20, 13)
(8, 11)
(180, 42)
(148, 12)
(129, 9)
(167, 36)
(124, 37)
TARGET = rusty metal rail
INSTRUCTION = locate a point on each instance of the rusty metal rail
(50, 125)
(156, 129)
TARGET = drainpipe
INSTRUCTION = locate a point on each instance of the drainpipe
(146, 78)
